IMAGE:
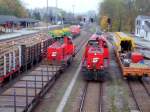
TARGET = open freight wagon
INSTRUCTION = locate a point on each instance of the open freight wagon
(131, 61)
(21, 55)
(9, 61)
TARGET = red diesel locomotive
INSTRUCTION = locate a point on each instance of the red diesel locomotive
(75, 30)
(96, 58)
(61, 52)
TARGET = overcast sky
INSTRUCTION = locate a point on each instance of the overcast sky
(81, 6)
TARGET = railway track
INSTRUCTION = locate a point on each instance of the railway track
(140, 95)
(92, 95)
(101, 98)
(142, 47)
(145, 87)
(25, 93)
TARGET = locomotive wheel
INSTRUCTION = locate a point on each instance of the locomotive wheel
(101, 76)
(139, 77)
(69, 61)
(125, 77)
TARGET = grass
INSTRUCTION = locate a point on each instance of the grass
(93, 30)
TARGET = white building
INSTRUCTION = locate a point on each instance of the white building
(142, 27)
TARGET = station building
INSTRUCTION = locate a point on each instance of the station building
(11, 23)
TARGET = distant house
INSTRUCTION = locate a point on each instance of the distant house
(142, 27)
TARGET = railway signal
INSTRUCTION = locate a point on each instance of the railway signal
(109, 22)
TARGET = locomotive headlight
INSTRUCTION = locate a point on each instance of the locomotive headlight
(54, 54)
(95, 60)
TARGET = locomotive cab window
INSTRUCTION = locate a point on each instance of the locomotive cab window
(105, 45)
(70, 41)
(126, 45)
(60, 39)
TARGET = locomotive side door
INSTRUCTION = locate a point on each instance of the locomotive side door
(70, 46)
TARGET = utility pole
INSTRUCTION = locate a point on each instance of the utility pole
(73, 7)
(56, 11)
(47, 14)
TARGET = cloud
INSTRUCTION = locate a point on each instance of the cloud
(80, 6)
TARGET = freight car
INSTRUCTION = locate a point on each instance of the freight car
(61, 52)
(96, 58)
(19, 56)
(75, 30)
(131, 61)
(9, 61)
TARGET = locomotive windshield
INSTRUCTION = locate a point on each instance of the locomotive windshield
(96, 50)
(93, 43)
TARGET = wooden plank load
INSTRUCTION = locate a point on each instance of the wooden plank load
(131, 62)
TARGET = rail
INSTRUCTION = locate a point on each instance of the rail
(84, 96)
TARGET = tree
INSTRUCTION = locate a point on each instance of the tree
(36, 15)
(12, 7)
(124, 12)
(113, 10)
(103, 22)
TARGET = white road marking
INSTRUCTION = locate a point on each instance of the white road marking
(64, 100)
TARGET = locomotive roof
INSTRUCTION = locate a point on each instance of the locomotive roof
(63, 36)
(95, 36)
(74, 26)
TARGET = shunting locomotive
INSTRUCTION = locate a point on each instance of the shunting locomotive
(96, 58)
(61, 52)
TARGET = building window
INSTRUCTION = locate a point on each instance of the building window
(139, 22)
(146, 34)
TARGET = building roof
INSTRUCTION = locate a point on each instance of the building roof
(147, 23)
(7, 18)
(143, 17)
(29, 20)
